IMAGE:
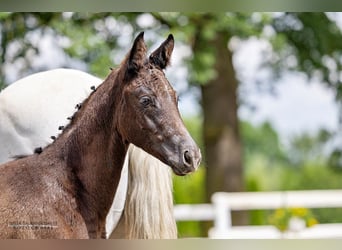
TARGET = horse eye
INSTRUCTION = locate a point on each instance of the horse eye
(145, 101)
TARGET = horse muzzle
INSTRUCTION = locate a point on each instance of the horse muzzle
(190, 160)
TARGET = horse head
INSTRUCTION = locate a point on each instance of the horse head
(150, 118)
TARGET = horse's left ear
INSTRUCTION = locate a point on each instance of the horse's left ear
(136, 57)
(161, 56)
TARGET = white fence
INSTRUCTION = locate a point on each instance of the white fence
(223, 203)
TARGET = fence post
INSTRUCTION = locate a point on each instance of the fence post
(222, 218)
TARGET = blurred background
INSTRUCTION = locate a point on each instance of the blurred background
(261, 93)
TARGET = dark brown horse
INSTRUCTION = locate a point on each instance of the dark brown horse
(66, 190)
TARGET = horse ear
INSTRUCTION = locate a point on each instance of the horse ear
(161, 56)
(136, 57)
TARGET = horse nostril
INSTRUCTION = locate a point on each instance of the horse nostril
(187, 158)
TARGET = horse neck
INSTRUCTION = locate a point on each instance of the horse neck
(94, 151)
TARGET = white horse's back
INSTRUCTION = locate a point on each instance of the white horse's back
(34, 107)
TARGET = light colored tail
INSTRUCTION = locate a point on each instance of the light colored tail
(148, 212)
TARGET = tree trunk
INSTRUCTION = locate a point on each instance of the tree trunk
(221, 127)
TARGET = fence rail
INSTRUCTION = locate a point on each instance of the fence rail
(223, 203)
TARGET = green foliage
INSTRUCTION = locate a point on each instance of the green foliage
(190, 190)
(262, 140)
(90, 38)
(309, 39)
(268, 166)
(203, 66)
(4, 15)
(300, 166)
(309, 148)
(313, 41)
(335, 160)
(313, 176)
(194, 126)
(309, 176)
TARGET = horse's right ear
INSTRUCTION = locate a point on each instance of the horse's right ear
(136, 57)
(161, 57)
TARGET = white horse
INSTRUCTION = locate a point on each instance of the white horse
(34, 110)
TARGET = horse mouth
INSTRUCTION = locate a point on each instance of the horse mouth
(182, 171)
(183, 167)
